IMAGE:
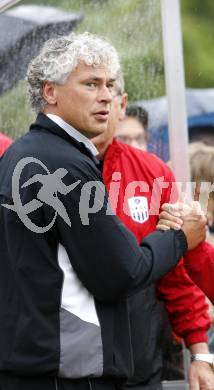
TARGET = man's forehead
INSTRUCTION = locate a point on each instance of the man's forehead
(94, 71)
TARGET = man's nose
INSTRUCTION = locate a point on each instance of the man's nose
(105, 94)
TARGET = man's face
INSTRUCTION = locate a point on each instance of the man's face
(132, 132)
(116, 114)
(84, 101)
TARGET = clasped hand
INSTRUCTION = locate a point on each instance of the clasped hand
(186, 216)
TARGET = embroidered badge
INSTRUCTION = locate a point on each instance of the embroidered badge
(138, 207)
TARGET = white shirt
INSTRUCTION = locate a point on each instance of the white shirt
(74, 133)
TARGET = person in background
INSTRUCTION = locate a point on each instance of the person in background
(173, 216)
(5, 142)
(126, 167)
(201, 157)
(132, 129)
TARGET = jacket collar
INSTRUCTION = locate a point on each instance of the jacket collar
(43, 123)
(73, 133)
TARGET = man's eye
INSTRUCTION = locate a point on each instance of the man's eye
(91, 85)
(111, 87)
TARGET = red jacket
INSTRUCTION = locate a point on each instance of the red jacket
(185, 303)
(200, 266)
(4, 143)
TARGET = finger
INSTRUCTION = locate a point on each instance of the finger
(169, 224)
(167, 216)
(173, 209)
(194, 381)
(193, 384)
(177, 209)
(196, 207)
(162, 227)
(196, 217)
(191, 217)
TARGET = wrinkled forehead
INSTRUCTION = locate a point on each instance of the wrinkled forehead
(94, 71)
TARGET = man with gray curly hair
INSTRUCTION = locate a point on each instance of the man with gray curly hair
(60, 57)
(67, 263)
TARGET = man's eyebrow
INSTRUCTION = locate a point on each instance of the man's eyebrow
(93, 78)
(111, 81)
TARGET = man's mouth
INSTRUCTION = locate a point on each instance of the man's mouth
(101, 115)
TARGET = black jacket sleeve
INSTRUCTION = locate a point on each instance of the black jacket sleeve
(105, 255)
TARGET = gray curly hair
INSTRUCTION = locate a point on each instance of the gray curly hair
(60, 56)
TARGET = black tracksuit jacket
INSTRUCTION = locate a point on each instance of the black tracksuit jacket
(63, 308)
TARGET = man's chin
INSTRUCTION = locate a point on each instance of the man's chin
(92, 133)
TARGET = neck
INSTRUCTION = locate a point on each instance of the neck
(102, 147)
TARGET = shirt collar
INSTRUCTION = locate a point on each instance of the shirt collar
(74, 133)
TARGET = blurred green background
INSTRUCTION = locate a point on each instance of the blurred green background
(198, 37)
(134, 27)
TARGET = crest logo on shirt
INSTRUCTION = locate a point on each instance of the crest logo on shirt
(138, 207)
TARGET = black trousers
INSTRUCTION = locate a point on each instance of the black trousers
(13, 382)
(156, 385)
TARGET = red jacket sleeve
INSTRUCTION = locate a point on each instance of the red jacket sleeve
(184, 301)
(5, 142)
(199, 263)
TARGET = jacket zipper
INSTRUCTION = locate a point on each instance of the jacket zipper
(56, 384)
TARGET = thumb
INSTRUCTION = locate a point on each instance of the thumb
(196, 207)
(183, 197)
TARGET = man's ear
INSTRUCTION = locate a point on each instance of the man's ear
(123, 105)
(49, 93)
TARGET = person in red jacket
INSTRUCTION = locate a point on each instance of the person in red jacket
(199, 262)
(136, 184)
(5, 142)
(201, 270)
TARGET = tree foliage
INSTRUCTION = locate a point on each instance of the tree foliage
(198, 35)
